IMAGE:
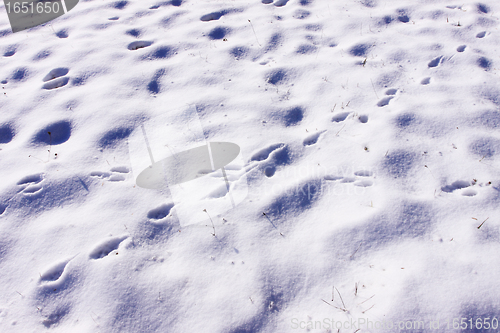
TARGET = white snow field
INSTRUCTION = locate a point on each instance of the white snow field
(370, 138)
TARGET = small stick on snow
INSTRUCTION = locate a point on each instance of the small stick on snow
(254, 33)
(340, 131)
(368, 309)
(430, 171)
(272, 224)
(336, 307)
(374, 88)
(352, 255)
(213, 226)
(50, 145)
(366, 300)
(340, 297)
(483, 223)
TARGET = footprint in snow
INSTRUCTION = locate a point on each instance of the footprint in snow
(116, 174)
(214, 16)
(55, 272)
(363, 119)
(31, 184)
(312, 138)
(278, 3)
(339, 117)
(425, 81)
(56, 78)
(391, 93)
(161, 212)
(435, 62)
(362, 178)
(461, 186)
(140, 44)
(106, 247)
(264, 153)
(482, 34)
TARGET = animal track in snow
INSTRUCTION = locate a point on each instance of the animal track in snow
(435, 62)
(32, 189)
(462, 186)
(482, 34)
(312, 138)
(99, 174)
(362, 178)
(263, 154)
(10, 52)
(270, 171)
(280, 3)
(363, 173)
(62, 33)
(55, 272)
(425, 81)
(58, 83)
(363, 119)
(340, 117)
(55, 73)
(116, 174)
(31, 184)
(56, 78)
(32, 179)
(391, 92)
(120, 169)
(384, 101)
(106, 247)
(214, 16)
(160, 212)
(140, 44)
(332, 178)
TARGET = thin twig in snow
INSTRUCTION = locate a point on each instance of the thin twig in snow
(483, 223)
(254, 33)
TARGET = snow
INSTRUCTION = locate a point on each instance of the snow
(370, 149)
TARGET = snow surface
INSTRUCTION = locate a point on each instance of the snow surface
(370, 132)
